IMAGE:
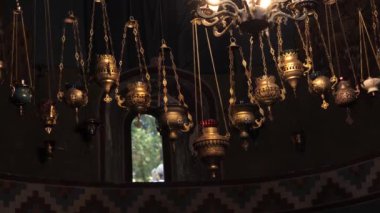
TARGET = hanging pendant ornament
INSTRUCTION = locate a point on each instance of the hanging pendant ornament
(49, 115)
(138, 96)
(242, 115)
(174, 117)
(267, 92)
(318, 83)
(371, 84)
(21, 91)
(106, 72)
(211, 146)
(75, 96)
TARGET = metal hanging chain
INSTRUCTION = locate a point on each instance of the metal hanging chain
(164, 80)
(366, 53)
(107, 30)
(361, 53)
(181, 97)
(199, 71)
(368, 37)
(279, 36)
(330, 18)
(309, 46)
(18, 17)
(346, 43)
(250, 53)
(48, 46)
(273, 53)
(216, 82)
(375, 24)
(329, 59)
(304, 45)
(78, 54)
(263, 58)
(195, 66)
(328, 23)
(231, 65)
(61, 64)
(80, 51)
(123, 43)
(91, 38)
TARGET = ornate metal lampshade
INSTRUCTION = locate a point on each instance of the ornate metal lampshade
(291, 67)
(345, 95)
(211, 146)
(371, 85)
(21, 94)
(49, 116)
(175, 120)
(107, 74)
(138, 96)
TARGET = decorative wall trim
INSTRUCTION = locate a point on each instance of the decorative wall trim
(354, 183)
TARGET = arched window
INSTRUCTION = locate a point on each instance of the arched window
(147, 152)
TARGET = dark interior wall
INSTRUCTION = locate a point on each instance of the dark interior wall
(330, 141)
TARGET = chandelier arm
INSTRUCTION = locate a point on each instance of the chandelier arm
(224, 12)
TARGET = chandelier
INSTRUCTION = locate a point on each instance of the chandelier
(250, 16)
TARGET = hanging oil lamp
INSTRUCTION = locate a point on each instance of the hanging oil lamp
(49, 115)
(321, 85)
(21, 94)
(174, 117)
(106, 72)
(345, 95)
(371, 84)
(267, 92)
(74, 96)
(211, 146)
(242, 115)
(292, 69)
(21, 90)
(175, 120)
(138, 96)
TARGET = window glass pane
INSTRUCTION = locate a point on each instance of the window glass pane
(147, 155)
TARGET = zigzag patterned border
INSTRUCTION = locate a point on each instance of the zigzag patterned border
(317, 190)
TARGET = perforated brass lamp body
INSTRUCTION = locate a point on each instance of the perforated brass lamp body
(107, 74)
(211, 146)
(138, 97)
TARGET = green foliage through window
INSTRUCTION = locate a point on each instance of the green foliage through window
(147, 155)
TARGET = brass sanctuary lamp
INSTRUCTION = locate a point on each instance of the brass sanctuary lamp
(242, 115)
(321, 85)
(345, 94)
(211, 146)
(74, 96)
(291, 68)
(106, 73)
(370, 84)
(138, 97)
(21, 94)
(21, 89)
(267, 92)
(49, 115)
(174, 117)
